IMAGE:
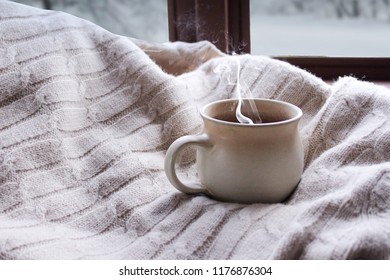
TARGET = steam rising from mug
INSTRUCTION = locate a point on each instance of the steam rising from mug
(255, 116)
(240, 117)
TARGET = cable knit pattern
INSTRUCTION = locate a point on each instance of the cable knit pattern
(86, 117)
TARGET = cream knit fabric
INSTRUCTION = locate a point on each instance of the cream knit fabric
(86, 117)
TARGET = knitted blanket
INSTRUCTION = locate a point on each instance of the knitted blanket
(86, 117)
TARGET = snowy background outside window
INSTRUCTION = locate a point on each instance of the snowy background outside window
(278, 27)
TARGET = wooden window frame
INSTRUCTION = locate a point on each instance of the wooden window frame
(226, 23)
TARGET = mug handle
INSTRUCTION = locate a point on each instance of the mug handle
(201, 140)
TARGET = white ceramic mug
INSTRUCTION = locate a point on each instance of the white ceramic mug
(245, 163)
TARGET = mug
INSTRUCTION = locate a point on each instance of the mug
(241, 162)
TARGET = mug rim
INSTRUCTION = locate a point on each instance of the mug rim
(284, 103)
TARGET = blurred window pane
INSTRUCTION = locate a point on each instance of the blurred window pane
(141, 19)
(359, 28)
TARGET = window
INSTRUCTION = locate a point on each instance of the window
(226, 23)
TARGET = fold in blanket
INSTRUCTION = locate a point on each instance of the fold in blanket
(86, 117)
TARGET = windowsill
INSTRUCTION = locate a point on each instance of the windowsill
(383, 83)
(379, 83)
(329, 68)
